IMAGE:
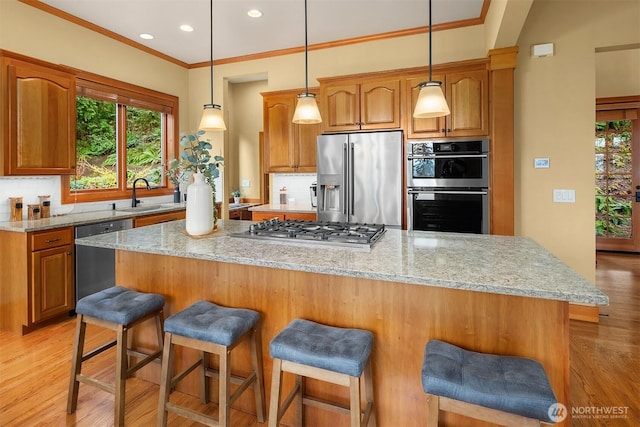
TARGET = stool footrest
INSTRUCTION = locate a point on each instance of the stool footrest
(485, 414)
(109, 388)
(191, 414)
(175, 380)
(96, 351)
(149, 358)
(326, 405)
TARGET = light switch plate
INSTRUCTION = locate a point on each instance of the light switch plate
(564, 196)
(246, 183)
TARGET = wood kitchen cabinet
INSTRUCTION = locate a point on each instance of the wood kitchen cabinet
(38, 278)
(288, 147)
(283, 216)
(38, 115)
(141, 221)
(360, 104)
(467, 93)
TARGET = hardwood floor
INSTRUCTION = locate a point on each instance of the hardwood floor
(605, 358)
(605, 368)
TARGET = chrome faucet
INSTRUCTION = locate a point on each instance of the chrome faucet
(134, 201)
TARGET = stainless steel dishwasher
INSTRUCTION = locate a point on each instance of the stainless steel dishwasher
(96, 267)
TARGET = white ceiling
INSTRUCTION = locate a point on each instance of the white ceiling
(280, 27)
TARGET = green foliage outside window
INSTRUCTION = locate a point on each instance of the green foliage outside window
(613, 173)
(97, 146)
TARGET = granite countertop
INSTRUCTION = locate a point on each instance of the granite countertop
(276, 207)
(81, 218)
(484, 263)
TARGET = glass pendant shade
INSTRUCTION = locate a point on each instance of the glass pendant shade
(431, 101)
(307, 111)
(212, 118)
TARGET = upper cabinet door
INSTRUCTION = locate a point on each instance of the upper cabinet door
(288, 147)
(341, 111)
(468, 95)
(380, 104)
(422, 128)
(41, 120)
(278, 132)
(361, 104)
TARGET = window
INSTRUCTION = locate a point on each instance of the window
(123, 132)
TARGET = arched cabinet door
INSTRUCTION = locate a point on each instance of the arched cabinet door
(41, 120)
(361, 104)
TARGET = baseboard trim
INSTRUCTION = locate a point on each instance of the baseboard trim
(585, 313)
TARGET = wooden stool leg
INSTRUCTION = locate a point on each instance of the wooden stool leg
(76, 364)
(354, 397)
(224, 385)
(256, 360)
(121, 375)
(204, 381)
(433, 407)
(300, 400)
(165, 380)
(368, 390)
(276, 388)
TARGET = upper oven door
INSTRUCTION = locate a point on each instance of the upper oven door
(448, 164)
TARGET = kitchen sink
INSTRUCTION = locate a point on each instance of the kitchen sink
(142, 208)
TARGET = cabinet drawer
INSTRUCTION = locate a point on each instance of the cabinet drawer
(51, 238)
(158, 218)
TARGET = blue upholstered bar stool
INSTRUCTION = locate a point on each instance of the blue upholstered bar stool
(336, 355)
(118, 309)
(506, 390)
(210, 328)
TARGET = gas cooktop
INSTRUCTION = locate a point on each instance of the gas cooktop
(316, 232)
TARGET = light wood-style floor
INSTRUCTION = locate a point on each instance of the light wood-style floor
(605, 368)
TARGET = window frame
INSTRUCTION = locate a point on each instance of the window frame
(121, 93)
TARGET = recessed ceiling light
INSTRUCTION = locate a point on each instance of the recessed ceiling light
(146, 36)
(186, 28)
(254, 13)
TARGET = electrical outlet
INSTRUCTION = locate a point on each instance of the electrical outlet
(246, 183)
(564, 196)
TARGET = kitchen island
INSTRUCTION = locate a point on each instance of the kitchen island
(503, 295)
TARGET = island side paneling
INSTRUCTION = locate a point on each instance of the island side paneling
(402, 318)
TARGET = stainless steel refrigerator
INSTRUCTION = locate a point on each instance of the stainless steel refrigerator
(360, 177)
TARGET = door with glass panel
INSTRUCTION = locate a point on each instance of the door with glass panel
(617, 179)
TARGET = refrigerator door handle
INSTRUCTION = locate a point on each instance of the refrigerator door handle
(345, 171)
(351, 183)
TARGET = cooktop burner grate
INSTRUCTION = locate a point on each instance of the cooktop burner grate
(340, 233)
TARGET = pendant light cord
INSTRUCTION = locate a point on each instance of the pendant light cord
(430, 49)
(211, 51)
(306, 52)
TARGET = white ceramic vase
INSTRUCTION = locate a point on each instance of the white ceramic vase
(199, 206)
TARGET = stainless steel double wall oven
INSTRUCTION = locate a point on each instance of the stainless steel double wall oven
(448, 185)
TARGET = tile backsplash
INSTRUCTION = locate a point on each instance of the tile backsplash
(297, 185)
(30, 187)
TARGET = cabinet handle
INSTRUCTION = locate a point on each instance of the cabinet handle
(69, 253)
(52, 240)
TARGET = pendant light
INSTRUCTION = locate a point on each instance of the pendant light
(307, 108)
(212, 119)
(431, 101)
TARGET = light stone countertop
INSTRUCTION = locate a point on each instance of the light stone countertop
(484, 263)
(276, 207)
(82, 218)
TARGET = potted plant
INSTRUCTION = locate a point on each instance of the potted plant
(236, 196)
(196, 157)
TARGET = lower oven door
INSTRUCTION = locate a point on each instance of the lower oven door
(452, 210)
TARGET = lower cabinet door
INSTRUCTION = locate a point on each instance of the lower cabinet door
(52, 283)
